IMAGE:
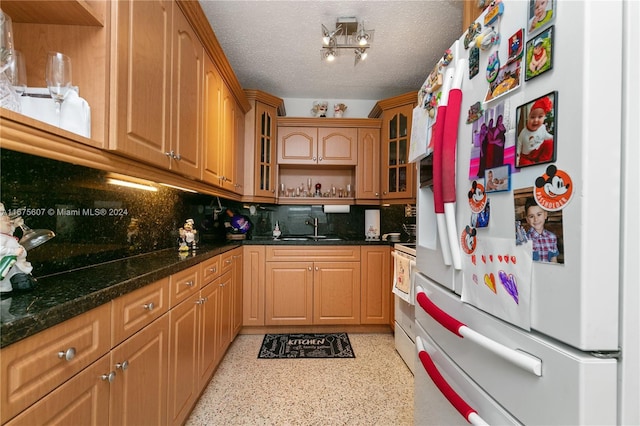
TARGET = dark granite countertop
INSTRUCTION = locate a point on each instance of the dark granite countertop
(63, 296)
(267, 240)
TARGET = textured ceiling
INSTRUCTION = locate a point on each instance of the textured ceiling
(274, 46)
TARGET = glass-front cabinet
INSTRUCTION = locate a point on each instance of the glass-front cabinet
(260, 178)
(398, 174)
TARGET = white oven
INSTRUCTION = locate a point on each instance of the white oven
(404, 262)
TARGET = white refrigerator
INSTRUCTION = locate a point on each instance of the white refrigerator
(527, 293)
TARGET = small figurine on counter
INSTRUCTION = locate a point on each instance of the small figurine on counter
(320, 109)
(187, 239)
(15, 271)
(338, 110)
(276, 231)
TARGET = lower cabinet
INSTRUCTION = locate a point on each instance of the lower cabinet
(376, 289)
(134, 361)
(139, 391)
(305, 286)
(83, 400)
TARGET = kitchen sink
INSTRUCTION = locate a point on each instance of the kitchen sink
(310, 238)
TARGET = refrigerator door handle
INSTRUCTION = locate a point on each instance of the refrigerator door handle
(445, 388)
(520, 359)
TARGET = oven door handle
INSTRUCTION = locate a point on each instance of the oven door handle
(520, 359)
(445, 388)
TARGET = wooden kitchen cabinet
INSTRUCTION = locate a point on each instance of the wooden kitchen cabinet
(260, 181)
(183, 285)
(237, 289)
(33, 367)
(139, 391)
(398, 175)
(317, 146)
(309, 286)
(83, 400)
(376, 285)
(253, 285)
(183, 359)
(289, 293)
(336, 293)
(368, 168)
(157, 86)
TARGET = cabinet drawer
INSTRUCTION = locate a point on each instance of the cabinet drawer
(35, 366)
(83, 400)
(210, 269)
(133, 311)
(312, 254)
(226, 261)
(184, 284)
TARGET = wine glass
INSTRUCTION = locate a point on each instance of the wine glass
(58, 76)
(17, 73)
(8, 97)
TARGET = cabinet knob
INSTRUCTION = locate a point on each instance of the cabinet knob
(68, 355)
(109, 377)
(309, 267)
(228, 261)
(319, 158)
(199, 301)
(377, 194)
(122, 365)
(314, 158)
(177, 157)
(149, 306)
(214, 269)
(317, 269)
(189, 283)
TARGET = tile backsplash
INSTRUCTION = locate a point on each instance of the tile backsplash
(96, 222)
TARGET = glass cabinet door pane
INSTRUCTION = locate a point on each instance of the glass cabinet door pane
(392, 180)
(402, 178)
(267, 125)
(403, 125)
(402, 152)
(267, 177)
(262, 175)
(393, 127)
(393, 153)
(267, 154)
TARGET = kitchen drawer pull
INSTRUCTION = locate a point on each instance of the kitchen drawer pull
(445, 388)
(228, 261)
(525, 361)
(68, 355)
(189, 283)
(214, 269)
(122, 365)
(149, 306)
(109, 377)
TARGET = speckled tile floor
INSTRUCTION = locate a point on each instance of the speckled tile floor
(375, 388)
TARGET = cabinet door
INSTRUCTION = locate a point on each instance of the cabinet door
(265, 149)
(297, 145)
(253, 283)
(139, 392)
(183, 285)
(142, 68)
(376, 285)
(183, 360)
(186, 100)
(368, 168)
(236, 302)
(337, 146)
(289, 293)
(397, 179)
(239, 185)
(212, 138)
(227, 127)
(208, 308)
(336, 293)
(83, 400)
(223, 335)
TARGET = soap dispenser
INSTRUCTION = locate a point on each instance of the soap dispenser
(276, 231)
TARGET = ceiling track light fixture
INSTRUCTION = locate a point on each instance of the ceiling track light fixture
(348, 34)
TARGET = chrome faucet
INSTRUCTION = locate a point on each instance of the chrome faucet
(314, 224)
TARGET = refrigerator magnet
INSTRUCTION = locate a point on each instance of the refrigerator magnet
(516, 46)
(553, 189)
(539, 54)
(477, 197)
(536, 129)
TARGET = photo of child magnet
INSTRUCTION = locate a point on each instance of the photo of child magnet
(539, 54)
(536, 127)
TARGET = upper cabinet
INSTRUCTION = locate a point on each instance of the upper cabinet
(157, 103)
(398, 175)
(317, 145)
(260, 142)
